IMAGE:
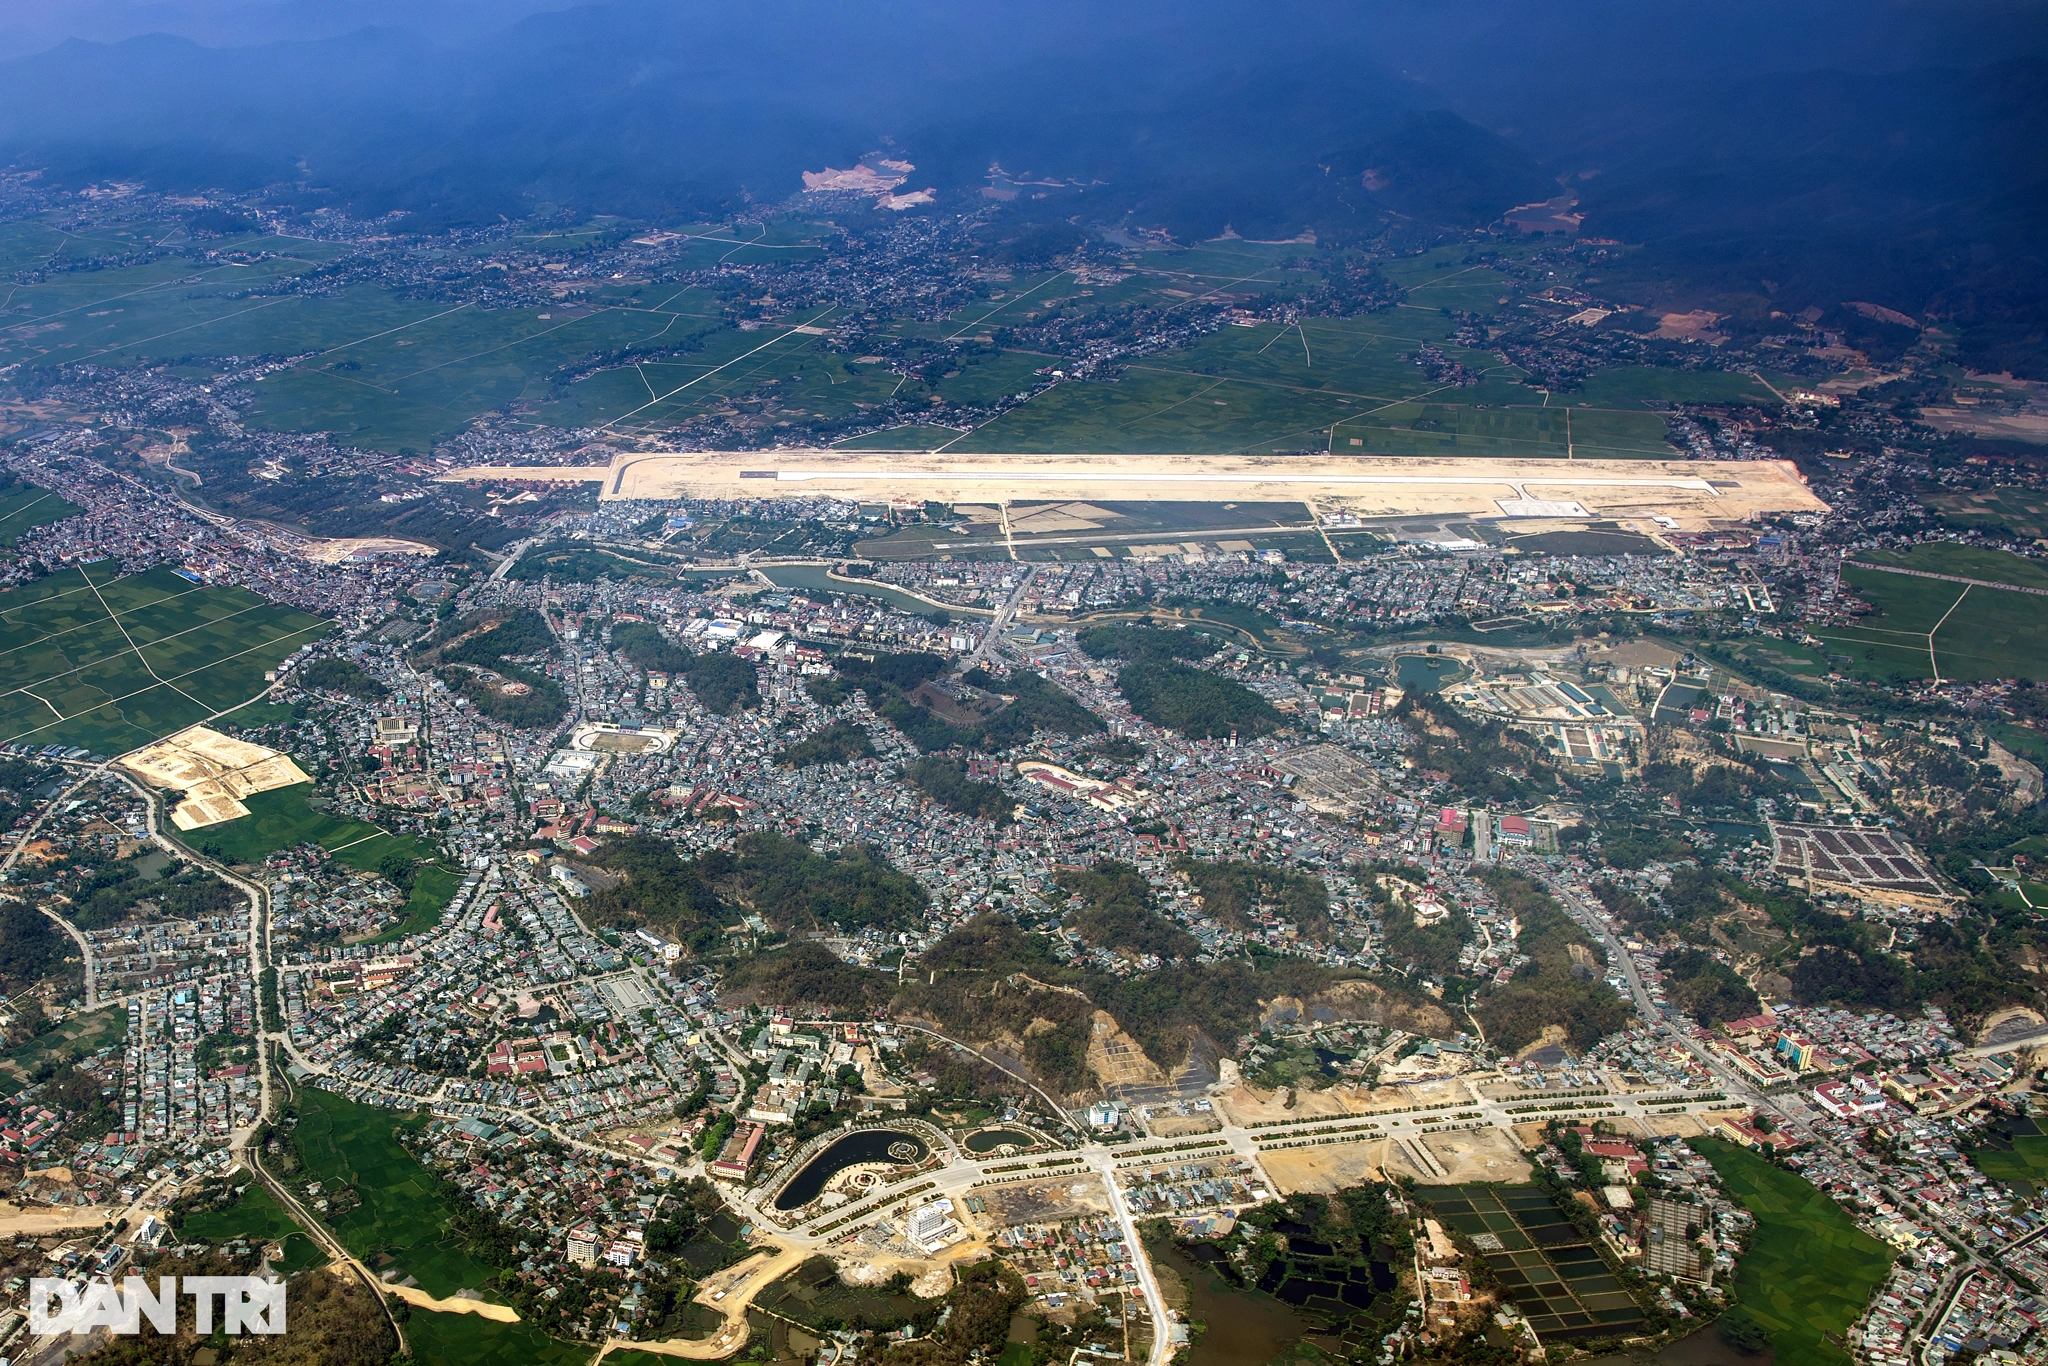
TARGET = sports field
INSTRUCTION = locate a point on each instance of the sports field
(282, 817)
(24, 507)
(403, 1220)
(106, 662)
(1928, 627)
(1809, 1270)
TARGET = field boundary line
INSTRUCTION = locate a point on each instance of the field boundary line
(50, 678)
(1946, 578)
(1932, 662)
(325, 626)
(116, 616)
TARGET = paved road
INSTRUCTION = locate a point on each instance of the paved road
(1000, 622)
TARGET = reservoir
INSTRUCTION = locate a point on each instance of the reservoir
(1427, 673)
(863, 1146)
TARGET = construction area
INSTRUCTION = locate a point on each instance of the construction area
(213, 771)
(1676, 494)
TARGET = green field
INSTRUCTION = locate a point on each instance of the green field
(390, 371)
(258, 1217)
(78, 1037)
(467, 1340)
(1809, 1270)
(24, 507)
(403, 1219)
(2015, 1153)
(111, 662)
(282, 817)
(912, 438)
(1968, 632)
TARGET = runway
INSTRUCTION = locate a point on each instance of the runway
(1693, 494)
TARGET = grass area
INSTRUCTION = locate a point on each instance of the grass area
(1809, 1270)
(78, 1037)
(111, 662)
(1971, 632)
(257, 1217)
(403, 1220)
(918, 437)
(2016, 1153)
(467, 1340)
(25, 506)
(282, 817)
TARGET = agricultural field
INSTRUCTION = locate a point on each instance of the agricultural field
(386, 371)
(78, 1037)
(2020, 511)
(110, 662)
(282, 817)
(469, 1340)
(1936, 627)
(257, 1217)
(402, 1223)
(2016, 1153)
(25, 506)
(1809, 1270)
(1546, 1265)
(911, 438)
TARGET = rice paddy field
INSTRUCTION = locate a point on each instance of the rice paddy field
(402, 1222)
(1925, 626)
(25, 506)
(393, 371)
(467, 1340)
(1809, 1270)
(2016, 1153)
(283, 817)
(1548, 1268)
(257, 1217)
(107, 662)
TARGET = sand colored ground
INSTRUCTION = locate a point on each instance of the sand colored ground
(740, 1283)
(40, 1220)
(1488, 1154)
(335, 551)
(1692, 492)
(214, 771)
(454, 1304)
(1246, 1105)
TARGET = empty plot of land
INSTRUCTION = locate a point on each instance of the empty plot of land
(105, 662)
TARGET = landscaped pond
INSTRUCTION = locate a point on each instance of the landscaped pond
(861, 1147)
(990, 1140)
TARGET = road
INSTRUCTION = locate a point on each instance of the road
(1000, 622)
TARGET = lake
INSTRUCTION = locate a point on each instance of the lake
(861, 1146)
(1427, 673)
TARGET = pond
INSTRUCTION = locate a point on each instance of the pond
(862, 1146)
(815, 578)
(988, 1140)
(1427, 673)
(1244, 1328)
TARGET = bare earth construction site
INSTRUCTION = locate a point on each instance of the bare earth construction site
(1689, 495)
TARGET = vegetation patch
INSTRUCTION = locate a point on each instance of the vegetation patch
(1809, 1270)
